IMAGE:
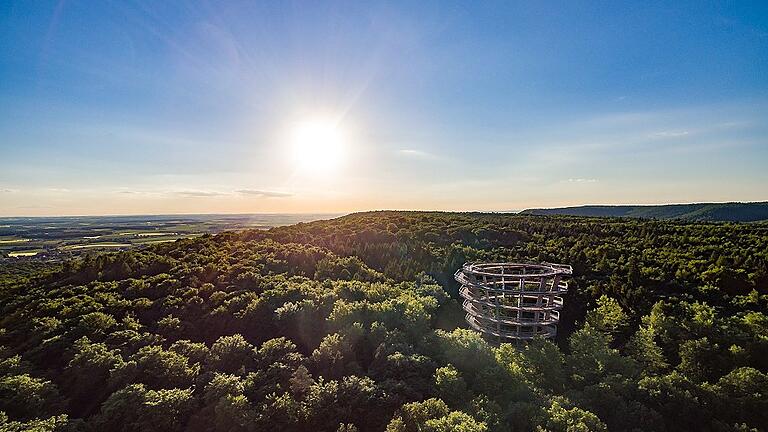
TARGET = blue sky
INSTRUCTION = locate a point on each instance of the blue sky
(176, 107)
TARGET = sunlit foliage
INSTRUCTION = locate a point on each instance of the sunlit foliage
(352, 324)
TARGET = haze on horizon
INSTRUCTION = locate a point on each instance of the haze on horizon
(241, 107)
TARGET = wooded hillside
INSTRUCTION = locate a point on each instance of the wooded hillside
(707, 212)
(353, 324)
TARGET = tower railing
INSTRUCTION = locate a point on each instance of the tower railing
(513, 301)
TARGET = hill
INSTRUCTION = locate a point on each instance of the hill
(353, 324)
(705, 212)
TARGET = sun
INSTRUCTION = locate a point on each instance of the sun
(318, 146)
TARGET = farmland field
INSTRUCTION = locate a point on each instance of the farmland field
(57, 238)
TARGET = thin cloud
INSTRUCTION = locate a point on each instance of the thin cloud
(199, 194)
(3, 190)
(670, 134)
(415, 153)
(582, 180)
(142, 192)
(208, 194)
(263, 193)
(35, 207)
(733, 124)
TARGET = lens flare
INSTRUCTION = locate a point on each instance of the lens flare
(318, 146)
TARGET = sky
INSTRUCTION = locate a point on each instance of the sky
(147, 107)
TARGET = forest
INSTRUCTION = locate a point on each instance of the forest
(354, 324)
(702, 212)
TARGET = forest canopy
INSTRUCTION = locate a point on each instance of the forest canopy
(354, 324)
(708, 212)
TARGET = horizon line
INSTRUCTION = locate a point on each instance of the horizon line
(344, 213)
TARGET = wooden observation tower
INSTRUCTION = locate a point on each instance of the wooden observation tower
(513, 302)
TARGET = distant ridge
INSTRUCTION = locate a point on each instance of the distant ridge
(712, 212)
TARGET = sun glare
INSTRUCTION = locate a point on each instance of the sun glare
(318, 146)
